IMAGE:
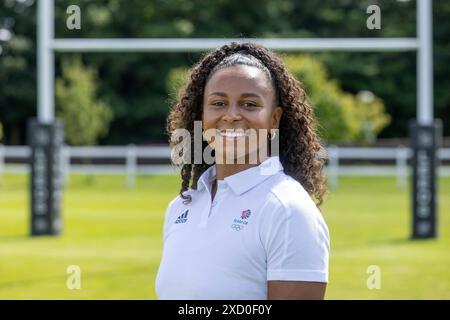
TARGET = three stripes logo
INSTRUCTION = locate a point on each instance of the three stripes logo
(182, 218)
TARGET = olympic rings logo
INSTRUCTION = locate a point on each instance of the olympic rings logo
(237, 227)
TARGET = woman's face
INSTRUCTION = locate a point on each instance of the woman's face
(237, 99)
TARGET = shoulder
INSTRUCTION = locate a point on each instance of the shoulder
(288, 197)
(297, 225)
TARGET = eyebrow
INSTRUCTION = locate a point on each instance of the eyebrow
(244, 95)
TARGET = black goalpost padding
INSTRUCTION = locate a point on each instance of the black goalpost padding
(425, 140)
(46, 141)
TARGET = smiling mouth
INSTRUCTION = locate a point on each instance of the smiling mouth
(238, 133)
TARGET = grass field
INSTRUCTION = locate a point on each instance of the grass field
(114, 235)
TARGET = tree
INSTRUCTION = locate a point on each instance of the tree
(371, 115)
(85, 118)
(342, 116)
(133, 84)
(17, 68)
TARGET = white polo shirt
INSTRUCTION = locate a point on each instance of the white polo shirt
(262, 225)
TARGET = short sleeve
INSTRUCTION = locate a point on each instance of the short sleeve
(297, 244)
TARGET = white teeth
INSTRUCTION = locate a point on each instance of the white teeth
(231, 134)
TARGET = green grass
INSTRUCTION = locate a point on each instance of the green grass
(114, 235)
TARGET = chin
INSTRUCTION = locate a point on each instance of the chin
(230, 157)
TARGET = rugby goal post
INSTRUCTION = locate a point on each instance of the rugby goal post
(46, 135)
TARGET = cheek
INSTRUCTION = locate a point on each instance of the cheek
(259, 120)
(210, 118)
(207, 121)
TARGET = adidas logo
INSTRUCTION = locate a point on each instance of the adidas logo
(182, 218)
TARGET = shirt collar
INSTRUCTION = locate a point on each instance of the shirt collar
(244, 180)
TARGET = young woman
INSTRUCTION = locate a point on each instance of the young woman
(247, 225)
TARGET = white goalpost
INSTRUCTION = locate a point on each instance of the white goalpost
(424, 212)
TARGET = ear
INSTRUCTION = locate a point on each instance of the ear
(276, 117)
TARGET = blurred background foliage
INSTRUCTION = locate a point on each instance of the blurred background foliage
(85, 119)
(371, 94)
(342, 117)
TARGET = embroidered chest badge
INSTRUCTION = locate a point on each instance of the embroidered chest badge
(239, 224)
(246, 214)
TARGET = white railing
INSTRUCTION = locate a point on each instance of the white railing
(131, 153)
(400, 154)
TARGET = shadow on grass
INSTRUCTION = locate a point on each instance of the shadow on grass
(17, 238)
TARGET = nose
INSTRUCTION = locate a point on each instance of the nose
(232, 113)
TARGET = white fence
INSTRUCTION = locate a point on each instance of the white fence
(130, 154)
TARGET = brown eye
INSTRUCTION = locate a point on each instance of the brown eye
(249, 104)
(218, 104)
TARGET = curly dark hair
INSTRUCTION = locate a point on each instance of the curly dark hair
(299, 144)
